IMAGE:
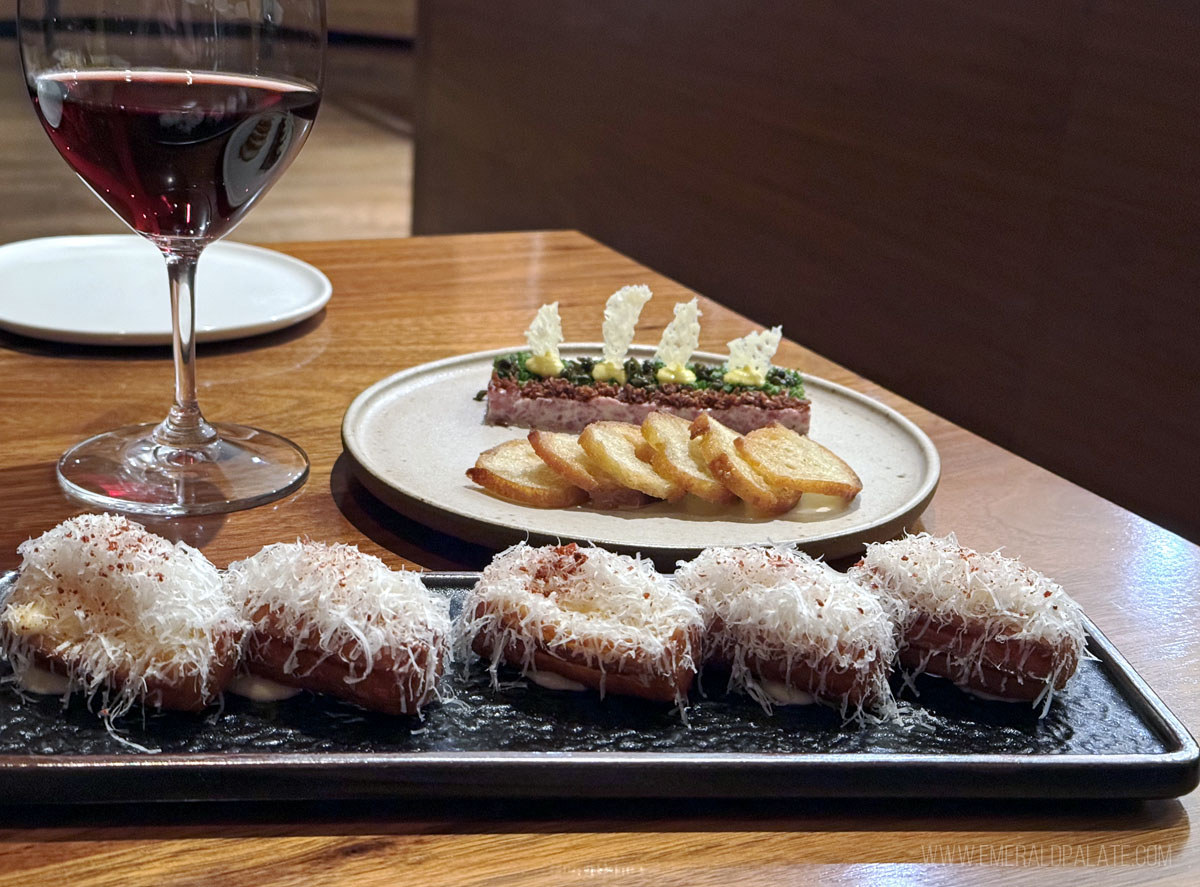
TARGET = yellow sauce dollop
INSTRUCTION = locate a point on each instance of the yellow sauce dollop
(675, 372)
(745, 376)
(607, 371)
(544, 365)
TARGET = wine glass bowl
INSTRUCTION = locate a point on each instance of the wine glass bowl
(178, 156)
(179, 115)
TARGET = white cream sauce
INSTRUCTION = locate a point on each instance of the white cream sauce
(983, 694)
(782, 694)
(257, 689)
(43, 682)
(552, 681)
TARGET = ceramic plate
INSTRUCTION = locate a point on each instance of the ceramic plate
(412, 436)
(112, 290)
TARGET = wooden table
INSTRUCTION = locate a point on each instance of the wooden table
(403, 302)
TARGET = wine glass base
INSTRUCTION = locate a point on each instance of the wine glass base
(127, 470)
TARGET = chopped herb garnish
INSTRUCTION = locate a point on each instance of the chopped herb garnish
(512, 366)
(644, 374)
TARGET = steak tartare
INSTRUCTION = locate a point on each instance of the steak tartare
(571, 401)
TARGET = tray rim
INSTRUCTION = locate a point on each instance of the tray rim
(457, 774)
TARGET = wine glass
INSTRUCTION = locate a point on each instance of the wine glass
(178, 114)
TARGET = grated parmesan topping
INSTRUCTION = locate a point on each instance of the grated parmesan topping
(922, 576)
(120, 607)
(682, 335)
(613, 612)
(545, 333)
(753, 352)
(342, 603)
(927, 575)
(621, 314)
(779, 605)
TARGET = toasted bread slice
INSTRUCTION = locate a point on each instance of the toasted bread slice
(566, 457)
(515, 472)
(331, 619)
(797, 463)
(987, 622)
(602, 620)
(124, 613)
(614, 445)
(672, 456)
(718, 448)
(795, 627)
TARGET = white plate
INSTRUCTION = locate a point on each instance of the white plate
(111, 289)
(413, 435)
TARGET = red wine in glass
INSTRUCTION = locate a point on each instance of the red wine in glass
(179, 116)
(175, 154)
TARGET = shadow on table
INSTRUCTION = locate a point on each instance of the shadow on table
(397, 533)
(68, 351)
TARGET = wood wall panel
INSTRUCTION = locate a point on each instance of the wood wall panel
(377, 18)
(993, 209)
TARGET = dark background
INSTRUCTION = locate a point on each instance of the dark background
(991, 208)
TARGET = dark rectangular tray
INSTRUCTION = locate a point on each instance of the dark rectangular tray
(1106, 736)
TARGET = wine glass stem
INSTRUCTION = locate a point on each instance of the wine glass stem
(184, 426)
